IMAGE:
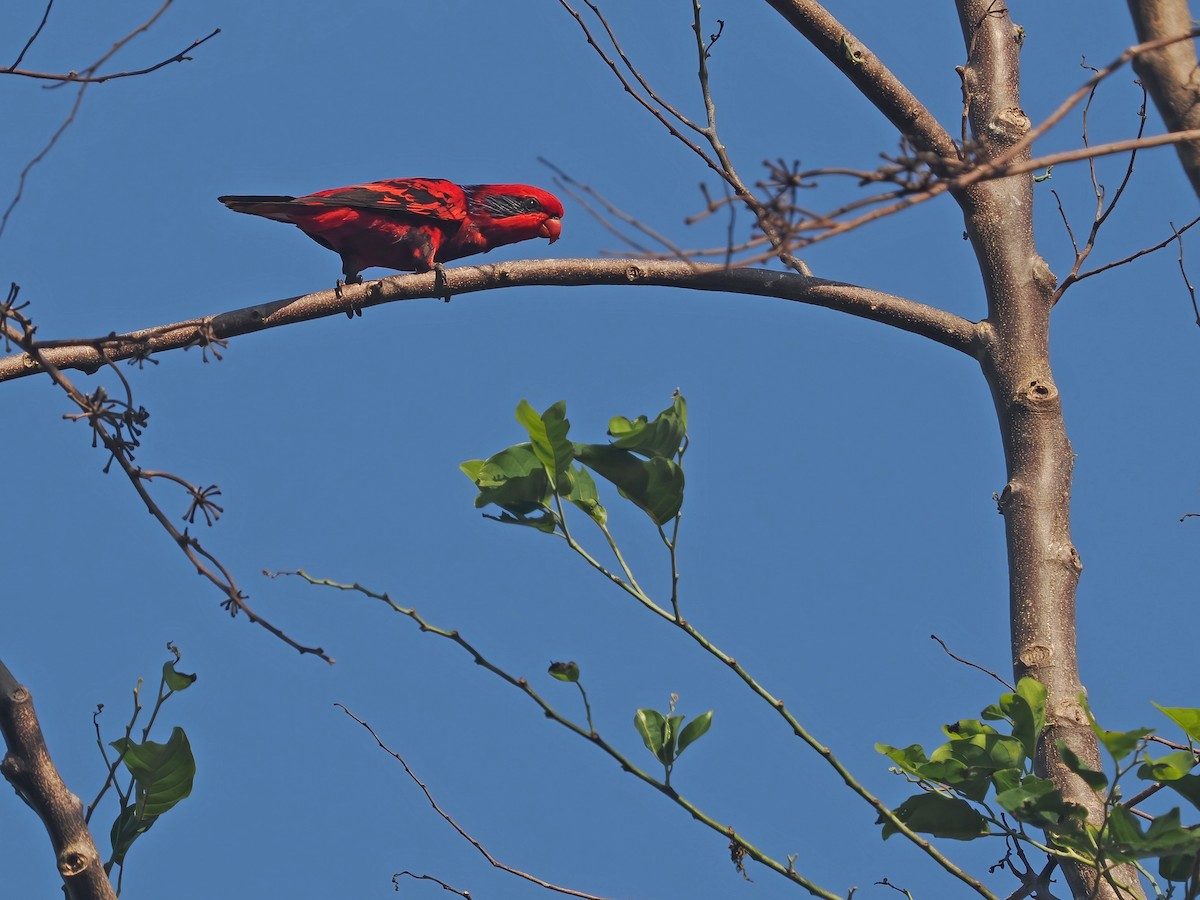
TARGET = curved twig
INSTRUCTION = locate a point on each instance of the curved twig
(446, 817)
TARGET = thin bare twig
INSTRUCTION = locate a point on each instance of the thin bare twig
(445, 887)
(117, 425)
(1143, 252)
(77, 78)
(595, 739)
(41, 154)
(786, 237)
(570, 185)
(449, 820)
(1039, 882)
(1002, 170)
(1102, 211)
(1026, 141)
(718, 159)
(116, 48)
(84, 78)
(649, 101)
(1062, 214)
(1183, 271)
(33, 37)
(967, 662)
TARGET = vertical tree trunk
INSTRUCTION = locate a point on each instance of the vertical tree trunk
(1171, 74)
(1043, 564)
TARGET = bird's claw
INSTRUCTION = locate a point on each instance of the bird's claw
(337, 290)
(441, 283)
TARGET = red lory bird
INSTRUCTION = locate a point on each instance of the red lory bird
(412, 224)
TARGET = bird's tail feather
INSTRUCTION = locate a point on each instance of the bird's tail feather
(272, 206)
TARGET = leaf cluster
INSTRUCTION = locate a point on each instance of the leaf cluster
(642, 462)
(981, 766)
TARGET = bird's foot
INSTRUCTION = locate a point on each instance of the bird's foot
(350, 279)
(441, 283)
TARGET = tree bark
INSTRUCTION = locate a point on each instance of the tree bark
(1014, 354)
(1170, 74)
(29, 769)
(89, 354)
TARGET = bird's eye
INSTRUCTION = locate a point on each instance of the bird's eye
(531, 203)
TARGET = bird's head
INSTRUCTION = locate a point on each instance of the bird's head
(507, 213)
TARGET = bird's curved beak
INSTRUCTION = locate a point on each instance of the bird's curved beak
(551, 229)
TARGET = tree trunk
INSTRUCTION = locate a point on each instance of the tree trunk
(1043, 564)
(1170, 74)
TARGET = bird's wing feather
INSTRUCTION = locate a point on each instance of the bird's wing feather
(430, 198)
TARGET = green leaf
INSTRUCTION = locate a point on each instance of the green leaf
(548, 435)
(582, 492)
(565, 671)
(545, 522)
(654, 485)
(471, 468)
(986, 752)
(1083, 839)
(1119, 744)
(939, 815)
(910, 759)
(1171, 767)
(1008, 779)
(513, 479)
(965, 729)
(126, 829)
(1176, 868)
(695, 729)
(652, 726)
(622, 428)
(176, 681)
(163, 772)
(1186, 718)
(1025, 710)
(1097, 781)
(979, 756)
(1038, 802)
(1123, 839)
(668, 753)
(1188, 787)
(1167, 835)
(660, 438)
(1033, 692)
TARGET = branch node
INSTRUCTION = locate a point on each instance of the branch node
(1009, 125)
(1037, 393)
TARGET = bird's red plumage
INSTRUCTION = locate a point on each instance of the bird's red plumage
(411, 224)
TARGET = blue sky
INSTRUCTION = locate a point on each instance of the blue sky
(840, 474)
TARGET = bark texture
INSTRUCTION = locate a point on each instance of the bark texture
(1043, 564)
(1170, 74)
(29, 769)
(89, 354)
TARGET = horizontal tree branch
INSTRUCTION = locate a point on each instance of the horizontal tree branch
(88, 354)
